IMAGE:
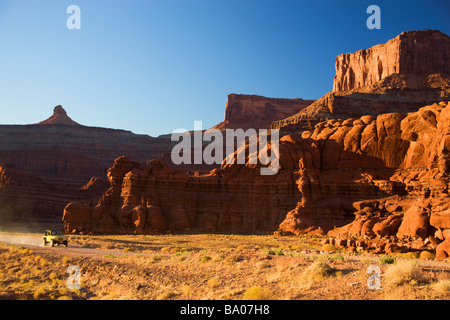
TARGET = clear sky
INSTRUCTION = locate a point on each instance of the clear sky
(152, 66)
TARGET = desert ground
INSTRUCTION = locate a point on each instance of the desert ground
(211, 267)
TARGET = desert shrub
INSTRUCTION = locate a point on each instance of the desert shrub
(13, 250)
(233, 259)
(336, 257)
(328, 247)
(427, 255)
(205, 258)
(442, 285)
(181, 254)
(410, 255)
(39, 292)
(166, 295)
(213, 282)
(402, 272)
(186, 290)
(279, 252)
(43, 262)
(386, 260)
(52, 276)
(27, 285)
(26, 251)
(166, 249)
(257, 293)
(316, 272)
(66, 260)
(155, 257)
(268, 251)
(219, 257)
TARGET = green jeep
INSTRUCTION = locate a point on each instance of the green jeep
(54, 237)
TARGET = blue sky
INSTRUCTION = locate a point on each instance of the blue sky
(152, 66)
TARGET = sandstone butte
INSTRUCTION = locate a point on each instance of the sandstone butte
(367, 164)
(251, 111)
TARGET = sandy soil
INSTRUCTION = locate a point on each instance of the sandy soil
(225, 267)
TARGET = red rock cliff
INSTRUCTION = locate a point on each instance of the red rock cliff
(412, 52)
(402, 75)
(251, 111)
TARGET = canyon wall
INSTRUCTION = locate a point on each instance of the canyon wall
(411, 52)
(27, 199)
(251, 111)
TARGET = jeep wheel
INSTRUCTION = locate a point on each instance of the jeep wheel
(45, 243)
(65, 243)
(52, 243)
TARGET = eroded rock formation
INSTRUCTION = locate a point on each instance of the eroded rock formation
(251, 111)
(384, 177)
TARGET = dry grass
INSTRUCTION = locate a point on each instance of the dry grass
(404, 272)
(257, 293)
(208, 267)
(315, 272)
(442, 286)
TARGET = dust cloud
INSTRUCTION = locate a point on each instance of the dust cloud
(21, 239)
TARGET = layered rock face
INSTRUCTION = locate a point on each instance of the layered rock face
(402, 75)
(26, 199)
(251, 111)
(412, 52)
(151, 198)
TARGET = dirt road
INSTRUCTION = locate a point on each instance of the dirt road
(35, 242)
